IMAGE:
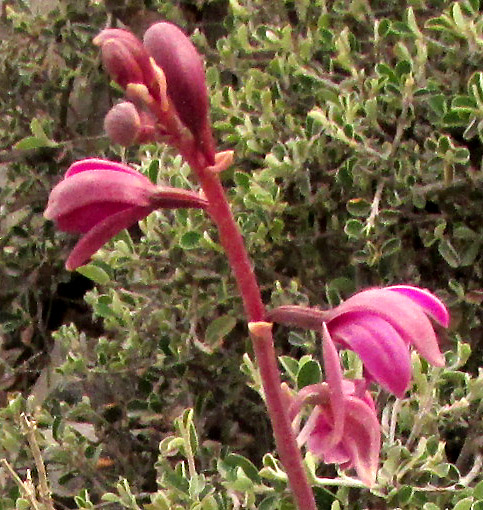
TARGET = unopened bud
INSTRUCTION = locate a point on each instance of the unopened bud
(126, 59)
(123, 124)
(176, 55)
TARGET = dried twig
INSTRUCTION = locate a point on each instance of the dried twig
(30, 426)
(26, 488)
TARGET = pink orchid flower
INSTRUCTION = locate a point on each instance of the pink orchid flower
(379, 325)
(99, 198)
(342, 427)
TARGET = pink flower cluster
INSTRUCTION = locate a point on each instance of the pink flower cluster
(379, 325)
(165, 88)
(342, 427)
(164, 80)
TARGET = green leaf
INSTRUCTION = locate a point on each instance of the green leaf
(218, 329)
(235, 460)
(478, 490)
(404, 494)
(291, 365)
(22, 504)
(412, 23)
(390, 247)
(447, 251)
(383, 27)
(458, 17)
(354, 228)
(238, 10)
(153, 170)
(358, 207)
(389, 216)
(309, 373)
(190, 240)
(442, 23)
(464, 504)
(469, 255)
(464, 232)
(38, 130)
(32, 142)
(455, 118)
(444, 144)
(269, 503)
(403, 67)
(464, 103)
(431, 506)
(110, 497)
(438, 104)
(209, 503)
(461, 155)
(94, 273)
(401, 28)
(243, 180)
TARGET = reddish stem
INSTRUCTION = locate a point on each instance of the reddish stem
(260, 332)
(289, 452)
(232, 241)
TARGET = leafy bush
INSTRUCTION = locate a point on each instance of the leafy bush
(357, 128)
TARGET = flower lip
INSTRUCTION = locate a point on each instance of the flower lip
(102, 232)
(342, 427)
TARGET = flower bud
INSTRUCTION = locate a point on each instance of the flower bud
(176, 55)
(126, 60)
(123, 124)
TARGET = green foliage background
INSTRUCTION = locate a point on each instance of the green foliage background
(358, 131)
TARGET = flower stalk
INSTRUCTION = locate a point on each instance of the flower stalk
(260, 332)
(167, 101)
(177, 99)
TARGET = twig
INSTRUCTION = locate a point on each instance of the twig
(474, 471)
(456, 185)
(25, 487)
(371, 220)
(30, 427)
(394, 414)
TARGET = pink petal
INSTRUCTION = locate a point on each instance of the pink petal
(84, 218)
(382, 350)
(333, 375)
(101, 233)
(87, 164)
(433, 306)
(362, 439)
(97, 187)
(404, 315)
(319, 438)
